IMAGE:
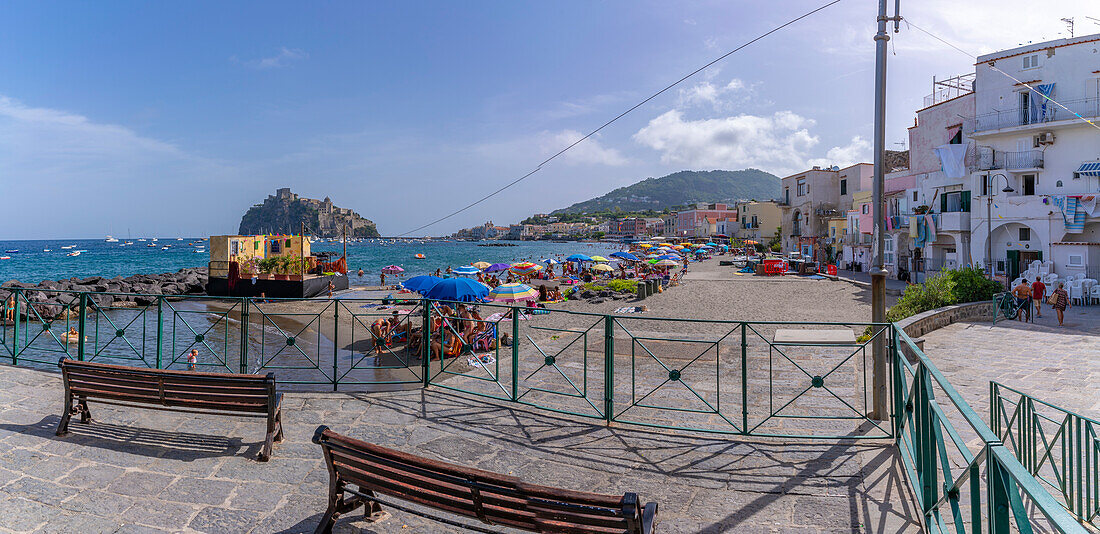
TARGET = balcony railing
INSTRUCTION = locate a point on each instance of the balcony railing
(1085, 107)
(988, 159)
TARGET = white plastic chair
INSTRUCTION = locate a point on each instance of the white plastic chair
(1094, 295)
(1050, 279)
(1044, 268)
(1076, 293)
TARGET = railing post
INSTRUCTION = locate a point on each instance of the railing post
(994, 402)
(608, 368)
(997, 493)
(81, 321)
(926, 448)
(160, 330)
(744, 379)
(897, 376)
(15, 328)
(244, 335)
(335, 342)
(515, 353)
(426, 342)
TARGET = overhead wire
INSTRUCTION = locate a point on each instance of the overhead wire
(1009, 76)
(619, 116)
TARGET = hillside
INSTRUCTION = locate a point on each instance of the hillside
(684, 187)
(284, 212)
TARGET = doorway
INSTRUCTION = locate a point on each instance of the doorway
(1018, 261)
(1029, 185)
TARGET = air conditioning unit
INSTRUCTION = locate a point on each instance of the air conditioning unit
(1046, 138)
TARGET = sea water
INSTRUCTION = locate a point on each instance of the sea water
(38, 260)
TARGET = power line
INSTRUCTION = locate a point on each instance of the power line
(1009, 76)
(619, 116)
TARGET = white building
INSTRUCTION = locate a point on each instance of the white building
(1048, 154)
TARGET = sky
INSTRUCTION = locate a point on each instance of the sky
(172, 118)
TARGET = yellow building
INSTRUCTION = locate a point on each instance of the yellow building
(249, 249)
(757, 220)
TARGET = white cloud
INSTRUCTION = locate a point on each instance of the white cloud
(717, 96)
(281, 59)
(780, 143)
(588, 152)
(858, 150)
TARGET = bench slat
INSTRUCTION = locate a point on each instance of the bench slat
(154, 399)
(196, 375)
(257, 397)
(145, 380)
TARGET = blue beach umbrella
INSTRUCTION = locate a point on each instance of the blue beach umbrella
(551, 261)
(466, 270)
(624, 256)
(497, 267)
(460, 289)
(578, 258)
(672, 257)
(421, 283)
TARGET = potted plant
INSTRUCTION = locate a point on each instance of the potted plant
(266, 267)
(282, 270)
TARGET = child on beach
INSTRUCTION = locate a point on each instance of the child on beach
(192, 359)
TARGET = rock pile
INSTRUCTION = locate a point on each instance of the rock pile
(53, 299)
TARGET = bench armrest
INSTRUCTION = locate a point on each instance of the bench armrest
(649, 514)
(317, 434)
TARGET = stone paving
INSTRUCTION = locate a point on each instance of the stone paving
(149, 471)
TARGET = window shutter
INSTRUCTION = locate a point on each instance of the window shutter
(965, 203)
(943, 203)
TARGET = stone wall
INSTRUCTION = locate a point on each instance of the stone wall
(925, 322)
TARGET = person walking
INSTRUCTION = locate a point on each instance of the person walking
(1038, 292)
(382, 279)
(1022, 292)
(1061, 301)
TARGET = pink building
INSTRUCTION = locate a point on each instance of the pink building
(688, 220)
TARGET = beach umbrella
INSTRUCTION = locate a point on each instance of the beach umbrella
(709, 244)
(665, 263)
(645, 245)
(602, 267)
(526, 268)
(624, 256)
(392, 269)
(513, 293)
(421, 284)
(482, 264)
(466, 270)
(667, 245)
(672, 257)
(497, 267)
(460, 289)
(751, 242)
(600, 258)
(551, 261)
(578, 258)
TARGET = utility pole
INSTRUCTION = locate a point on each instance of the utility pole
(880, 374)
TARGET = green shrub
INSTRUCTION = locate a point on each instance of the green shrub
(936, 292)
(623, 286)
(971, 285)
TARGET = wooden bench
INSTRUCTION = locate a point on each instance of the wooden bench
(182, 391)
(488, 497)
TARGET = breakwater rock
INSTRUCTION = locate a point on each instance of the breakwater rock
(52, 299)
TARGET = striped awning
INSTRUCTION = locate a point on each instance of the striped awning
(1089, 169)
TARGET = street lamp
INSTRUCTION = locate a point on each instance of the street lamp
(990, 180)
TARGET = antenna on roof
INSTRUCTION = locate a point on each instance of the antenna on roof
(1095, 21)
(1069, 24)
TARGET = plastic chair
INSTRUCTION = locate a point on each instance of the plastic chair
(1076, 293)
(1094, 295)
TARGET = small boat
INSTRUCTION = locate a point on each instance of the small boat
(12, 251)
(68, 247)
(46, 250)
(165, 247)
(73, 253)
(179, 239)
(419, 256)
(141, 239)
(5, 257)
(151, 245)
(154, 240)
(110, 240)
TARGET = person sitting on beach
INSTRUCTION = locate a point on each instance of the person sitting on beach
(543, 294)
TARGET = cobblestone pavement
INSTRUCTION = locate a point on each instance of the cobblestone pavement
(1060, 365)
(149, 471)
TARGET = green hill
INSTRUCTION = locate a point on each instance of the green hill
(684, 187)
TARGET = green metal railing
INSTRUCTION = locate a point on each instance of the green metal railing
(1058, 447)
(729, 377)
(959, 489)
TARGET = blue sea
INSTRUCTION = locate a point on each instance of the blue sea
(37, 260)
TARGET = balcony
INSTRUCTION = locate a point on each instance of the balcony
(988, 159)
(1011, 118)
(955, 221)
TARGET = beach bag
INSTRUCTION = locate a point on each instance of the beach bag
(1052, 299)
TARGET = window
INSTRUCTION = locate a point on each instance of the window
(957, 139)
(234, 248)
(832, 231)
(1025, 234)
(888, 250)
(955, 201)
(985, 185)
(914, 196)
(844, 187)
(1032, 61)
(1029, 184)
(1058, 183)
(755, 223)
(802, 187)
(1076, 260)
(787, 195)
(275, 246)
(1025, 108)
(866, 207)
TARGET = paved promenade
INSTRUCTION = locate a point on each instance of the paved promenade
(147, 471)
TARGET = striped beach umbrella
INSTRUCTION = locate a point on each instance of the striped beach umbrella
(513, 293)
(526, 268)
(665, 263)
(481, 264)
(466, 270)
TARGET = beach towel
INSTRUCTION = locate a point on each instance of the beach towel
(484, 360)
(630, 309)
(930, 223)
(952, 159)
(913, 227)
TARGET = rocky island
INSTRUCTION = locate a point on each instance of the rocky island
(285, 212)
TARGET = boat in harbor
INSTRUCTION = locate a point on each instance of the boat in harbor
(111, 240)
(73, 253)
(12, 251)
